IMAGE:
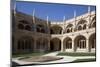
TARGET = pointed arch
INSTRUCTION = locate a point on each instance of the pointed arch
(81, 25)
(56, 29)
(24, 25)
(69, 28)
(40, 28)
(82, 21)
(79, 28)
(27, 27)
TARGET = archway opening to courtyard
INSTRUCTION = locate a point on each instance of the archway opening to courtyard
(24, 25)
(56, 29)
(80, 42)
(42, 44)
(40, 28)
(92, 41)
(55, 44)
(81, 25)
(25, 44)
(79, 28)
(28, 27)
(67, 43)
(69, 28)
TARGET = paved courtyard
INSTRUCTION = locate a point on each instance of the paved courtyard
(65, 59)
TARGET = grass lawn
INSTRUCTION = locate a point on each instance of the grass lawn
(84, 60)
(76, 54)
(29, 54)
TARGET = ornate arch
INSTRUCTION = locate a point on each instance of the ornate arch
(56, 29)
(41, 28)
(28, 27)
(24, 25)
(79, 28)
(81, 25)
(69, 28)
(82, 21)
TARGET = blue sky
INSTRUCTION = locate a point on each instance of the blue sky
(56, 12)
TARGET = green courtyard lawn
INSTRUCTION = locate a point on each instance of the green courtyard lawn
(75, 54)
(29, 54)
(84, 60)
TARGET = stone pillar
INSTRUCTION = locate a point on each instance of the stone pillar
(73, 29)
(62, 32)
(87, 45)
(73, 48)
(62, 46)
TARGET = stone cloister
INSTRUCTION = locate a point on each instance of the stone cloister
(34, 34)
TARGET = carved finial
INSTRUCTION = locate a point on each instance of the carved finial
(74, 13)
(89, 9)
(14, 8)
(33, 15)
(47, 20)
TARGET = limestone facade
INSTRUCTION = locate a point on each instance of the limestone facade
(32, 34)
